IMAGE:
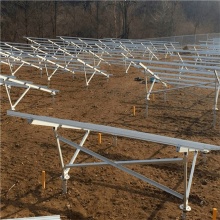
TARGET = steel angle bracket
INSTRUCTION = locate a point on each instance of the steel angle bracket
(181, 149)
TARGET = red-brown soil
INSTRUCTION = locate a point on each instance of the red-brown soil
(105, 192)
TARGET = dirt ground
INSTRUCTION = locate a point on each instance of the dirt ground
(105, 193)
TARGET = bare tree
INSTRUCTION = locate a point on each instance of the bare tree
(198, 12)
(15, 16)
(136, 19)
(162, 18)
(124, 8)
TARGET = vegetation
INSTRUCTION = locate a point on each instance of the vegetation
(99, 19)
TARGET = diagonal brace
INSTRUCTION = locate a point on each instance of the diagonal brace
(125, 169)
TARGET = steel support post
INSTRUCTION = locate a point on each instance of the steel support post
(185, 206)
(64, 176)
(151, 88)
(217, 89)
(10, 66)
(191, 174)
(165, 95)
(84, 68)
(115, 141)
(146, 111)
(9, 97)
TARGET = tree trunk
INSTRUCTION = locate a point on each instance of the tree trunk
(115, 20)
(55, 18)
(97, 19)
(125, 20)
(26, 19)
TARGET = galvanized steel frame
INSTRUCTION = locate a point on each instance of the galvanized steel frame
(184, 146)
